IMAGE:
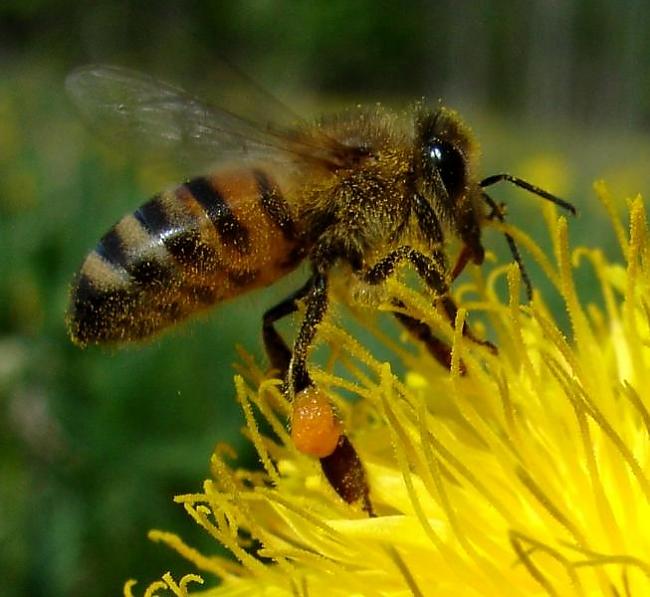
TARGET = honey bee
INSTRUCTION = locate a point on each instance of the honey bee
(355, 191)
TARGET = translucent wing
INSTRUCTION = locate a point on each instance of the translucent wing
(128, 108)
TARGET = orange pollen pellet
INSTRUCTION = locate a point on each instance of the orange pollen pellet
(315, 428)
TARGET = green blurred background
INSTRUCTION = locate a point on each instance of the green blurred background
(95, 443)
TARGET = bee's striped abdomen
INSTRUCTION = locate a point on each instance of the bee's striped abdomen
(181, 252)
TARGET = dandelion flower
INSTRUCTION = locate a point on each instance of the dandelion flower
(526, 474)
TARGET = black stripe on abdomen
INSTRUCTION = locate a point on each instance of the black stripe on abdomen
(274, 205)
(153, 217)
(189, 250)
(130, 246)
(181, 239)
(228, 227)
(112, 249)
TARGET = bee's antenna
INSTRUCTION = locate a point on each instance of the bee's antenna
(490, 180)
(514, 249)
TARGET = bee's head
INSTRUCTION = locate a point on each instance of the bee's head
(444, 157)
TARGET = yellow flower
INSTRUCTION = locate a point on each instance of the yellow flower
(528, 475)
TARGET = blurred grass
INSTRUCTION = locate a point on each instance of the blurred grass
(95, 443)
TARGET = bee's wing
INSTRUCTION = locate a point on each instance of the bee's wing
(131, 109)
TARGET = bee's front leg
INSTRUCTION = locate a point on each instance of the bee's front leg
(432, 271)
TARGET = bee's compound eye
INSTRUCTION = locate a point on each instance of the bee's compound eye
(449, 163)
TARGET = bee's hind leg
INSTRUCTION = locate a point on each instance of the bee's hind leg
(315, 428)
(276, 348)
